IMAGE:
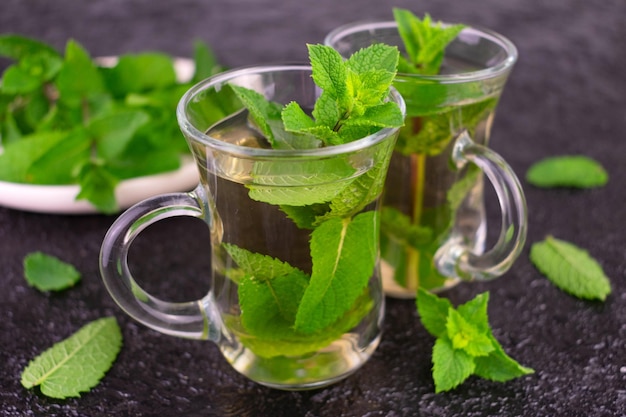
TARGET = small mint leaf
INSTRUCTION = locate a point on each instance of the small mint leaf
(295, 119)
(261, 110)
(77, 363)
(433, 312)
(343, 252)
(570, 268)
(567, 171)
(467, 336)
(48, 273)
(498, 366)
(451, 367)
(329, 72)
(378, 56)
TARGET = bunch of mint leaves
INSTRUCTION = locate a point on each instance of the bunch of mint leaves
(66, 119)
(284, 310)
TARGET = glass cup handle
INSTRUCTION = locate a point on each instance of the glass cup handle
(456, 259)
(188, 319)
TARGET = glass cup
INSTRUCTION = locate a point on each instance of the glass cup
(433, 223)
(296, 299)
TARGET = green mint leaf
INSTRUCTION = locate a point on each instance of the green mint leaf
(19, 156)
(77, 363)
(567, 171)
(570, 268)
(73, 150)
(97, 185)
(329, 73)
(260, 266)
(79, 77)
(206, 63)
(451, 367)
(377, 57)
(433, 312)
(299, 184)
(498, 366)
(18, 47)
(475, 312)
(48, 273)
(261, 110)
(113, 131)
(467, 336)
(139, 73)
(344, 255)
(424, 40)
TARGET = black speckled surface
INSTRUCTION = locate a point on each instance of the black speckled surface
(566, 95)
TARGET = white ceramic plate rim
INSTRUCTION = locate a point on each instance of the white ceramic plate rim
(61, 199)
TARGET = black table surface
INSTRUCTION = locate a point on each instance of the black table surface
(565, 96)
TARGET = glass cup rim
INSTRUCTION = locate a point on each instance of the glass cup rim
(191, 131)
(494, 71)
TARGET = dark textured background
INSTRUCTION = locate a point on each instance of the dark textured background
(566, 95)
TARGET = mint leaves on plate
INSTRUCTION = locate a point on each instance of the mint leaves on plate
(67, 119)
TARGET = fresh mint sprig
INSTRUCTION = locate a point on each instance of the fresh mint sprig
(351, 106)
(424, 40)
(286, 311)
(464, 344)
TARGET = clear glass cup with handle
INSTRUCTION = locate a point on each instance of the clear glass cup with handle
(295, 298)
(433, 227)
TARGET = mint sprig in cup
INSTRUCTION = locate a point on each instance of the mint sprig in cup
(290, 185)
(433, 224)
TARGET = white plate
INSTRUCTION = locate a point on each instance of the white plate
(61, 199)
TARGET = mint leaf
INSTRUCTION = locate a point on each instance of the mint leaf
(567, 171)
(261, 110)
(450, 366)
(344, 255)
(433, 312)
(48, 273)
(299, 183)
(20, 155)
(74, 150)
(77, 363)
(466, 336)
(79, 77)
(498, 366)
(206, 63)
(424, 40)
(139, 73)
(113, 131)
(269, 292)
(329, 73)
(97, 185)
(18, 47)
(570, 268)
